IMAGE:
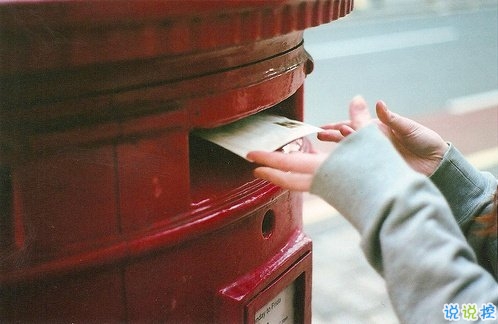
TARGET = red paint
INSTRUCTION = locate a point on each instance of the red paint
(112, 210)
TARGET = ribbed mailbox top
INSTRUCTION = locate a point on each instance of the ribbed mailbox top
(41, 35)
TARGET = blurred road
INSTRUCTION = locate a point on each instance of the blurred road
(415, 61)
(435, 61)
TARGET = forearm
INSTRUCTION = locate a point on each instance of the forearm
(407, 229)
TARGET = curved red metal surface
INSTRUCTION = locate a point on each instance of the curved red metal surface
(114, 211)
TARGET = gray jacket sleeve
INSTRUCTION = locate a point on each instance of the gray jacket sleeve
(469, 193)
(409, 234)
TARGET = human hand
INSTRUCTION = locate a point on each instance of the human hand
(295, 171)
(421, 147)
(292, 171)
(359, 117)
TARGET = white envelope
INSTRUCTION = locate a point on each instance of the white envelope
(261, 132)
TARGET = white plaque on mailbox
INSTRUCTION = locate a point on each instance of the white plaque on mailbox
(279, 310)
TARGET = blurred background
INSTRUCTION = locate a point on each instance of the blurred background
(432, 60)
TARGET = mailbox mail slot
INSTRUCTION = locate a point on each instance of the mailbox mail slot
(114, 211)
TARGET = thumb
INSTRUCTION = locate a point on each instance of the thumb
(399, 124)
(358, 112)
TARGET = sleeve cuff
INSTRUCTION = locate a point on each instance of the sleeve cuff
(360, 173)
(464, 187)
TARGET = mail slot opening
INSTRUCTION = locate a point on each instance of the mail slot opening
(215, 171)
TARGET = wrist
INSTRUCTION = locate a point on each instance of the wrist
(434, 163)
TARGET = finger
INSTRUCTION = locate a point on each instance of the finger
(383, 112)
(287, 180)
(399, 124)
(296, 162)
(358, 112)
(336, 126)
(330, 136)
(346, 131)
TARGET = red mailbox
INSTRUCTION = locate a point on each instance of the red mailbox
(111, 210)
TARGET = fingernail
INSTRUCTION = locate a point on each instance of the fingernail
(358, 104)
(382, 105)
(357, 100)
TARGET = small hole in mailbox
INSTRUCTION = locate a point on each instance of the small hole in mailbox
(268, 224)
